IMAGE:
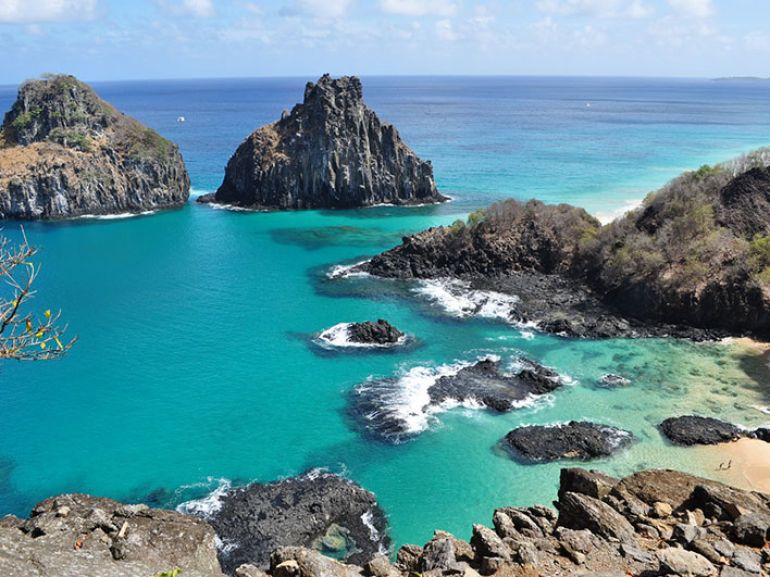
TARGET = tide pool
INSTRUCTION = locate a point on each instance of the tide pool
(196, 362)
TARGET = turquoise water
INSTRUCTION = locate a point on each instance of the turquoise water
(196, 359)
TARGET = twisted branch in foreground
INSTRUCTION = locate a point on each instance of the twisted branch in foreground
(23, 335)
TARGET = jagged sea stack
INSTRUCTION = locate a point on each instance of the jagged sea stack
(65, 152)
(331, 151)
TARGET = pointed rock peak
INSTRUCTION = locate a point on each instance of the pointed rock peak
(345, 89)
(55, 103)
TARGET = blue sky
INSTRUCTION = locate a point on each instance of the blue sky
(129, 39)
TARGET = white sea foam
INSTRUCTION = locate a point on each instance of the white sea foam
(609, 216)
(459, 300)
(346, 270)
(207, 506)
(233, 208)
(118, 216)
(367, 519)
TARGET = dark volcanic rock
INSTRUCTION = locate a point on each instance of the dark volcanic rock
(574, 440)
(695, 430)
(80, 535)
(64, 152)
(379, 333)
(484, 383)
(331, 151)
(318, 510)
(388, 409)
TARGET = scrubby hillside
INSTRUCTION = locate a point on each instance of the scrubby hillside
(695, 253)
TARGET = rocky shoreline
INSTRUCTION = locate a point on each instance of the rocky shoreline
(654, 522)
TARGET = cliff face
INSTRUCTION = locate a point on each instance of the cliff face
(64, 152)
(331, 151)
(695, 254)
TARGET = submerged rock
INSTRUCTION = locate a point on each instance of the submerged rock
(379, 333)
(613, 381)
(317, 510)
(331, 151)
(696, 430)
(575, 440)
(79, 535)
(396, 409)
(65, 152)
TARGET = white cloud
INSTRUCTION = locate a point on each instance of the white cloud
(597, 8)
(15, 11)
(445, 30)
(418, 7)
(696, 8)
(197, 8)
(324, 8)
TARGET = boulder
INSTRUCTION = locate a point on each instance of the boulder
(592, 483)
(378, 333)
(696, 430)
(578, 511)
(685, 563)
(578, 440)
(331, 151)
(301, 562)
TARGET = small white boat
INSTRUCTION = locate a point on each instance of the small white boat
(180, 119)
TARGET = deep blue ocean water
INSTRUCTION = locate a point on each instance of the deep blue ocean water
(196, 360)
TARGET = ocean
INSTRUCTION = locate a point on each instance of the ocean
(198, 364)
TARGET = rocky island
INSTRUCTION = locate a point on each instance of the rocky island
(331, 151)
(693, 260)
(65, 152)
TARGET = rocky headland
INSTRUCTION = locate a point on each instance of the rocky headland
(655, 522)
(693, 260)
(65, 152)
(576, 440)
(330, 151)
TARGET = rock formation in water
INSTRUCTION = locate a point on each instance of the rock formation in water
(655, 522)
(64, 152)
(384, 409)
(693, 260)
(331, 151)
(579, 440)
(697, 430)
(376, 333)
(317, 510)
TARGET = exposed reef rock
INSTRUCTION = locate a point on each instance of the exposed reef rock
(612, 381)
(574, 440)
(692, 261)
(379, 333)
(696, 430)
(79, 535)
(331, 151)
(64, 152)
(317, 510)
(396, 409)
(655, 522)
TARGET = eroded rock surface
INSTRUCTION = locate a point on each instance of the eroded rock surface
(331, 151)
(65, 152)
(577, 440)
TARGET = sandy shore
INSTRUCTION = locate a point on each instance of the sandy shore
(748, 460)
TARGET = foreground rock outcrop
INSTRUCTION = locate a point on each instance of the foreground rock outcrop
(693, 260)
(579, 440)
(318, 510)
(655, 522)
(79, 536)
(331, 151)
(65, 152)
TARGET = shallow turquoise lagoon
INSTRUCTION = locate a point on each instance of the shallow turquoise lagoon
(196, 361)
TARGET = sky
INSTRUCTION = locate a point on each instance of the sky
(144, 39)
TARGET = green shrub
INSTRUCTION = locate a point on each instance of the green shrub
(759, 253)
